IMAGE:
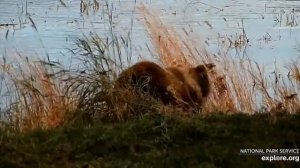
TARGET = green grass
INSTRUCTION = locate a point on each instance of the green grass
(153, 141)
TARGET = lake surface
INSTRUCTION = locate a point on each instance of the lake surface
(40, 29)
(37, 28)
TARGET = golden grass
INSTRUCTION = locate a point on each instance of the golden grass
(42, 100)
(236, 82)
(164, 39)
(39, 100)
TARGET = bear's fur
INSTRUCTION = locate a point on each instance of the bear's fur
(148, 77)
(182, 86)
(196, 81)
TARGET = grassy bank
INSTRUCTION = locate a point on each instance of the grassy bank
(153, 141)
(74, 117)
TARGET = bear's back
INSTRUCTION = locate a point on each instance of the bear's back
(150, 77)
(174, 85)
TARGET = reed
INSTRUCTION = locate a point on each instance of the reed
(37, 96)
(46, 95)
(239, 85)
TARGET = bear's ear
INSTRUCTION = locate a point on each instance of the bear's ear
(200, 68)
(205, 67)
(210, 65)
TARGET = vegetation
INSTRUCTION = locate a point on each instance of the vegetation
(154, 140)
(58, 117)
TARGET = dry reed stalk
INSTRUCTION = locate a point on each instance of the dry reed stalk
(237, 83)
(295, 80)
(164, 39)
(233, 90)
(294, 69)
(174, 49)
(279, 94)
(289, 92)
(39, 97)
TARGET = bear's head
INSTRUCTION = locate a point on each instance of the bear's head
(200, 75)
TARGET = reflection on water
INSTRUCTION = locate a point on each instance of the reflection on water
(41, 28)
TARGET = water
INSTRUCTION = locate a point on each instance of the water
(271, 26)
(40, 29)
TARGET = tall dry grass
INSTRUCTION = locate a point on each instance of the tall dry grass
(40, 97)
(37, 97)
(102, 59)
(239, 85)
(45, 95)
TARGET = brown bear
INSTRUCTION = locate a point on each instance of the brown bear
(196, 81)
(181, 86)
(148, 77)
